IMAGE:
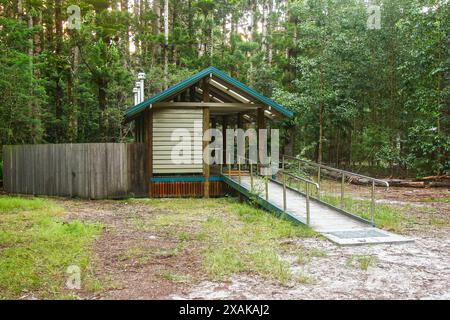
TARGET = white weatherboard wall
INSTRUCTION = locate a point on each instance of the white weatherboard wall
(165, 138)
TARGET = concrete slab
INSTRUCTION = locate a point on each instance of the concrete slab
(355, 237)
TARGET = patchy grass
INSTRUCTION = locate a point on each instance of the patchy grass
(304, 256)
(174, 277)
(37, 246)
(247, 241)
(433, 199)
(232, 237)
(363, 261)
(304, 279)
(136, 254)
(170, 252)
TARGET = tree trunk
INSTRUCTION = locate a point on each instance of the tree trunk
(59, 69)
(72, 128)
(125, 41)
(102, 85)
(320, 151)
(269, 31)
(166, 43)
(264, 30)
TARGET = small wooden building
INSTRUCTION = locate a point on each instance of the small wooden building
(211, 98)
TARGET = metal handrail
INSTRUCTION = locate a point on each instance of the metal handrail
(307, 183)
(348, 173)
(344, 173)
(302, 179)
(284, 174)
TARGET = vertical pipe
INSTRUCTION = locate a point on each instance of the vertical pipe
(372, 204)
(138, 86)
(141, 78)
(342, 190)
(135, 93)
(308, 213)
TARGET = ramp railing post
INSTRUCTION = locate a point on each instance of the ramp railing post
(284, 191)
(229, 166)
(266, 182)
(251, 175)
(372, 204)
(239, 169)
(318, 181)
(284, 183)
(342, 190)
(308, 214)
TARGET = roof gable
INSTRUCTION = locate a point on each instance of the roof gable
(195, 78)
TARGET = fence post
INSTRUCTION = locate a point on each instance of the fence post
(372, 204)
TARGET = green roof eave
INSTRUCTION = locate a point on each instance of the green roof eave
(195, 78)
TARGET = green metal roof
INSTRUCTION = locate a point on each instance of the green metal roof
(195, 78)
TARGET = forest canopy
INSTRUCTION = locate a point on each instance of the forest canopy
(362, 97)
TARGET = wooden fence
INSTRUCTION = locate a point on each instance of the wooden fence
(86, 170)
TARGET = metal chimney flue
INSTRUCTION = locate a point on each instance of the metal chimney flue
(135, 92)
(141, 78)
(138, 86)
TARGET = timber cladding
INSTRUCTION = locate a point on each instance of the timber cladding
(188, 189)
(86, 170)
(165, 122)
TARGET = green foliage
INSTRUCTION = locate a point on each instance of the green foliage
(383, 93)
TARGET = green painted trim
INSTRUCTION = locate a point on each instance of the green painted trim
(197, 77)
(185, 179)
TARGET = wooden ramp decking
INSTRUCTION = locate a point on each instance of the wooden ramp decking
(339, 227)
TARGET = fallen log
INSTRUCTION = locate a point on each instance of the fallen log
(435, 178)
(405, 183)
(438, 184)
(425, 182)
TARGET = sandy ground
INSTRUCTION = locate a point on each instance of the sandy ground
(419, 270)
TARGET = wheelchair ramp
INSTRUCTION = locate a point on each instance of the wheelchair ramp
(336, 225)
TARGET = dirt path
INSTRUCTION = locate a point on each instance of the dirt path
(129, 262)
(133, 260)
